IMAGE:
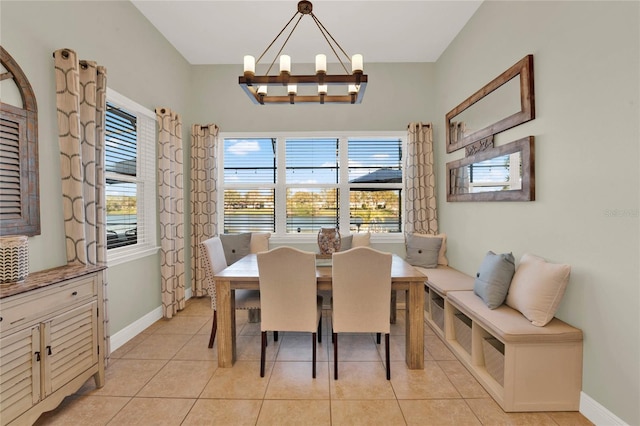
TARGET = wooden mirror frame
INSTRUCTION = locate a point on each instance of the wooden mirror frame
(523, 68)
(20, 203)
(528, 190)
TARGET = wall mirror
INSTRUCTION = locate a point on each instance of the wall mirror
(503, 103)
(505, 173)
(19, 200)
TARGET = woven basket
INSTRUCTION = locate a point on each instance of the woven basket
(493, 350)
(14, 258)
(462, 326)
(437, 312)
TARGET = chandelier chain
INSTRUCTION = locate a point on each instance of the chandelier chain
(283, 44)
(274, 40)
(325, 32)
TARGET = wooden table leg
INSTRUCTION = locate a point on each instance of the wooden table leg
(394, 304)
(415, 326)
(226, 334)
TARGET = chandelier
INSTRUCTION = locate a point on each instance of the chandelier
(269, 89)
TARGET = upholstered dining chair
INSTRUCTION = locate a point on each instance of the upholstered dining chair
(214, 260)
(288, 296)
(361, 296)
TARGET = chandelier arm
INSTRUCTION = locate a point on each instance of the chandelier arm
(281, 31)
(326, 32)
(285, 43)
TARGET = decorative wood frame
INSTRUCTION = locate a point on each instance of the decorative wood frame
(20, 200)
(523, 68)
(528, 190)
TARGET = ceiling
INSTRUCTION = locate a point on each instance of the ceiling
(221, 32)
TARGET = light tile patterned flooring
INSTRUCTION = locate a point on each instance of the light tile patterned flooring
(167, 376)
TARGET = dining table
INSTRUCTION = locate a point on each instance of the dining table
(243, 274)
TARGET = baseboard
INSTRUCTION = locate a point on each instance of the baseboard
(596, 413)
(138, 326)
(135, 328)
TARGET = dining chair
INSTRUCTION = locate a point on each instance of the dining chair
(214, 260)
(288, 296)
(361, 288)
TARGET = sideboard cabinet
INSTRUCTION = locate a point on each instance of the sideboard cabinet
(51, 340)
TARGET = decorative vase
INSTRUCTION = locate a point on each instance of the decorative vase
(14, 259)
(328, 240)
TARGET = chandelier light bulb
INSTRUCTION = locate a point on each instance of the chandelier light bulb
(321, 63)
(322, 89)
(292, 89)
(249, 64)
(285, 63)
(262, 90)
(357, 63)
(353, 89)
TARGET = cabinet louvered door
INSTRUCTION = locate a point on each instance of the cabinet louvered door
(19, 372)
(70, 346)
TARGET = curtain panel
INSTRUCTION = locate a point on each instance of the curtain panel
(81, 89)
(171, 211)
(204, 170)
(420, 192)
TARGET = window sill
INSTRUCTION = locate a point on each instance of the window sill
(383, 238)
(120, 258)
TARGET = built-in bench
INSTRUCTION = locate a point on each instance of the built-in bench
(522, 366)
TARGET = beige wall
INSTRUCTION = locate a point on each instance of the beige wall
(586, 67)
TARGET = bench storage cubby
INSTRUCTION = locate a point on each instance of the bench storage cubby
(441, 280)
(523, 367)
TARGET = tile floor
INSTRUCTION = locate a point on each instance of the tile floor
(167, 376)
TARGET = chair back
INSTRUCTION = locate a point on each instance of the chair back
(288, 290)
(361, 290)
(214, 262)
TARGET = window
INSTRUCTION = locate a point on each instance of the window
(130, 179)
(496, 174)
(297, 184)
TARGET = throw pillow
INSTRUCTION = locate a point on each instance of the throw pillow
(361, 240)
(346, 243)
(236, 246)
(537, 288)
(494, 277)
(423, 251)
(442, 254)
(259, 242)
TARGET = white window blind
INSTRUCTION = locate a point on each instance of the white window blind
(297, 184)
(130, 135)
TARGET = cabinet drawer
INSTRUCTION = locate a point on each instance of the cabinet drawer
(23, 308)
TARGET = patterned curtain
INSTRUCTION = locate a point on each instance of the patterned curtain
(420, 187)
(81, 89)
(204, 169)
(171, 210)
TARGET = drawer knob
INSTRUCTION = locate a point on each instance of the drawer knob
(0, 319)
(75, 293)
(37, 354)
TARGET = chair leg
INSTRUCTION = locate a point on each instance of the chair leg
(335, 355)
(214, 328)
(263, 350)
(313, 341)
(275, 336)
(378, 338)
(320, 331)
(386, 344)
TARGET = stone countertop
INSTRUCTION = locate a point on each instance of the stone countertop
(40, 279)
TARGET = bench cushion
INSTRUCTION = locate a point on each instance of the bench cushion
(444, 279)
(509, 325)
